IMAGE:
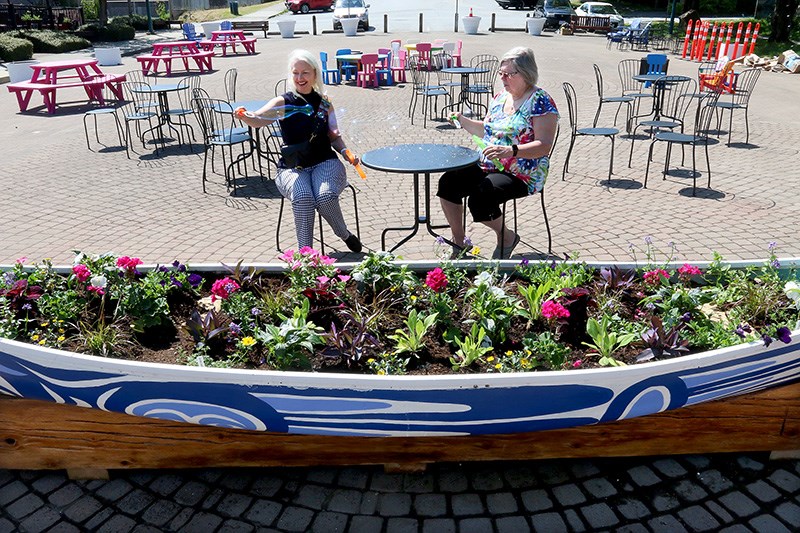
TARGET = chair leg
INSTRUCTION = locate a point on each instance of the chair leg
(205, 164)
(730, 127)
(694, 172)
(546, 225)
(746, 127)
(708, 165)
(566, 161)
(278, 226)
(649, 158)
(611, 163)
(633, 138)
(666, 161)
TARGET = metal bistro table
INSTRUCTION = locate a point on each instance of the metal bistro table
(463, 95)
(418, 159)
(161, 90)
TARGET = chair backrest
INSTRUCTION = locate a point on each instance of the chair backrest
(230, 84)
(598, 76)
(189, 31)
(225, 25)
(745, 83)
(399, 60)
(186, 90)
(343, 51)
(369, 63)
(706, 112)
(280, 87)
(627, 69)
(137, 75)
(323, 59)
(385, 63)
(572, 105)
(473, 62)
(485, 81)
(140, 101)
(674, 95)
(656, 63)
(424, 55)
(459, 43)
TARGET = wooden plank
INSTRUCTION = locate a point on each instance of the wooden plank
(42, 435)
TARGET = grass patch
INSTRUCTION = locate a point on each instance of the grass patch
(224, 13)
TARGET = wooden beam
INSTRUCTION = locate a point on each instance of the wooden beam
(42, 435)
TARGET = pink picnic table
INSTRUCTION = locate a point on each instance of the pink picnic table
(166, 52)
(226, 38)
(50, 76)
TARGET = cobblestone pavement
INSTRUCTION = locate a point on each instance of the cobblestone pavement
(731, 493)
(58, 197)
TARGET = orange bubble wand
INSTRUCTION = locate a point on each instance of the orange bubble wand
(350, 157)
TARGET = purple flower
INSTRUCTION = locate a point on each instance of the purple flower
(772, 245)
(255, 311)
(195, 280)
(235, 328)
(747, 328)
(739, 331)
(162, 268)
(783, 335)
(9, 278)
(775, 263)
(524, 262)
(175, 282)
(648, 240)
(687, 317)
(467, 242)
(439, 240)
(767, 340)
(27, 307)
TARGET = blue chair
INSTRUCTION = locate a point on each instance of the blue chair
(654, 64)
(189, 32)
(384, 67)
(328, 73)
(347, 69)
(226, 25)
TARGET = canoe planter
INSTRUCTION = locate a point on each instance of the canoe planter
(139, 415)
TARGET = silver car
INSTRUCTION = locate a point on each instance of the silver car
(349, 9)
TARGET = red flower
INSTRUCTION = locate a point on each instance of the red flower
(551, 309)
(436, 280)
(128, 263)
(653, 277)
(223, 288)
(82, 272)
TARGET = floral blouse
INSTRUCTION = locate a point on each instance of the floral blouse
(506, 130)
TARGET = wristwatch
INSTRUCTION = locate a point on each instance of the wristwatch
(515, 149)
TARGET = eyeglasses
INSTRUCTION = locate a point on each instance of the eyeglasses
(505, 75)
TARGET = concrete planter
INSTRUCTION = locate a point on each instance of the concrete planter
(209, 27)
(108, 56)
(535, 25)
(287, 28)
(350, 26)
(20, 70)
(471, 25)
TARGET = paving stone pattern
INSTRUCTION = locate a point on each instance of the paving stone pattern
(725, 492)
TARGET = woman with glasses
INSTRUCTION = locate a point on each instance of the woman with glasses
(518, 131)
(310, 174)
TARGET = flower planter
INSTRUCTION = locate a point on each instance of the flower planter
(20, 70)
(143, 415)
(535, 25)
(209, 28)
(286, 28)
(350, 26)
(471, 25)
(108, 56)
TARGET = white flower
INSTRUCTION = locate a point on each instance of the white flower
(78, 258)
(484, 278)
(358, 276)
(99, 281)
(792, 291)
(498, 292)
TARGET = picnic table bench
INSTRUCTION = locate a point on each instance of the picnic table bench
(23, 90)
(149, 62)
(251, 25)
(589, 23)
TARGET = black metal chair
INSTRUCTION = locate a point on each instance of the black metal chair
(706, 106)
(740, 99)
(230, 84)
(110, 106)
(673, 98)
(141, 107)
(482, 84)
(572, 108)
(423, 88)
(611, 100)
(186, 87)
(627, 69)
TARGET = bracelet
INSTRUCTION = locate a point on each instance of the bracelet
(515, 149)
(342, 151)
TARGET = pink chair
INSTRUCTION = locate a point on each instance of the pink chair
(367, 73)
(457, 53)
(399, 66)
(424, 59)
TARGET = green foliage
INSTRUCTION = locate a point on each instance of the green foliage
(115, 31)
(376, 273)
(91, 10)
(15, 48)
(52, 42)
(535, 296)
(102, 339)
(471, 348)
(490, 306)
(605, 342)
(412, 339)
(289, 344)
(545, 348)
(388, 363)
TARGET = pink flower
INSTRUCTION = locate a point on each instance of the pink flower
(686, 272)
(307, 250)
(99, 290)
(287, 256)
(577, 364)
(551, 309)
(653, 277)
(327, 260)
(81, 272)
(344, 278)
(128, 263)
(223, 288)
(436, 280)
(21, 260)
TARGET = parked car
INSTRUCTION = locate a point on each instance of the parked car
(349, 9)
(601, 9)
(304, 6)
(555, 11)
(517, 4)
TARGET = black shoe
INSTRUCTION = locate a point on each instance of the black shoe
(353, 243)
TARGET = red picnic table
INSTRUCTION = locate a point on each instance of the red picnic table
(226, 38)
(168, 51)
(50, 76)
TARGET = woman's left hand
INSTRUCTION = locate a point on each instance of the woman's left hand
(497, 151)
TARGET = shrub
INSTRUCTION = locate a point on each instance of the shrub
(139, 22)
(115, 31)
(14, 48)
(52, 42)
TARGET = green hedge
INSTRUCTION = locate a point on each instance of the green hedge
(139, 22)
(51, 42)
(115, 31)
(14, 48)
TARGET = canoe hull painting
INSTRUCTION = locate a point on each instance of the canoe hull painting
(385, 406)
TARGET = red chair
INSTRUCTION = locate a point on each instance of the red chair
(424, 60)
(367, 72)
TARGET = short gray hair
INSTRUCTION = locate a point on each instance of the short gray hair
(311, 59)
(524, 62)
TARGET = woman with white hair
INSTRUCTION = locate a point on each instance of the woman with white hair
(310, 174)
(518, 132)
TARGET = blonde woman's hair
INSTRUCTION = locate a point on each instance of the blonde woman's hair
(311, 59)
(524, 62)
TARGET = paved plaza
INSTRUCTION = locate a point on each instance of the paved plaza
(59, 197)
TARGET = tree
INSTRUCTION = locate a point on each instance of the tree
(782, 20)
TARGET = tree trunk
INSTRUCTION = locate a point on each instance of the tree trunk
(102, 11)
(782, 20)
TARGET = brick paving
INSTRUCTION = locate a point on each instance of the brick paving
(58, 197)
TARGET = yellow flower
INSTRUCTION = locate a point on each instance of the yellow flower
(34, 337)
(490, 358)
(62, 338)
(248, 341)
(527, 352)
(61, 330)
(45, 324)
(381, 372)
(498, 365)
(370, 360)
(509, 352)
(42, 342)
(413, 298)
(524, 363)
(476, 251)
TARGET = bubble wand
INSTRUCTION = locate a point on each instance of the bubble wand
(352, 159)
(482, 145)
(280, 112)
